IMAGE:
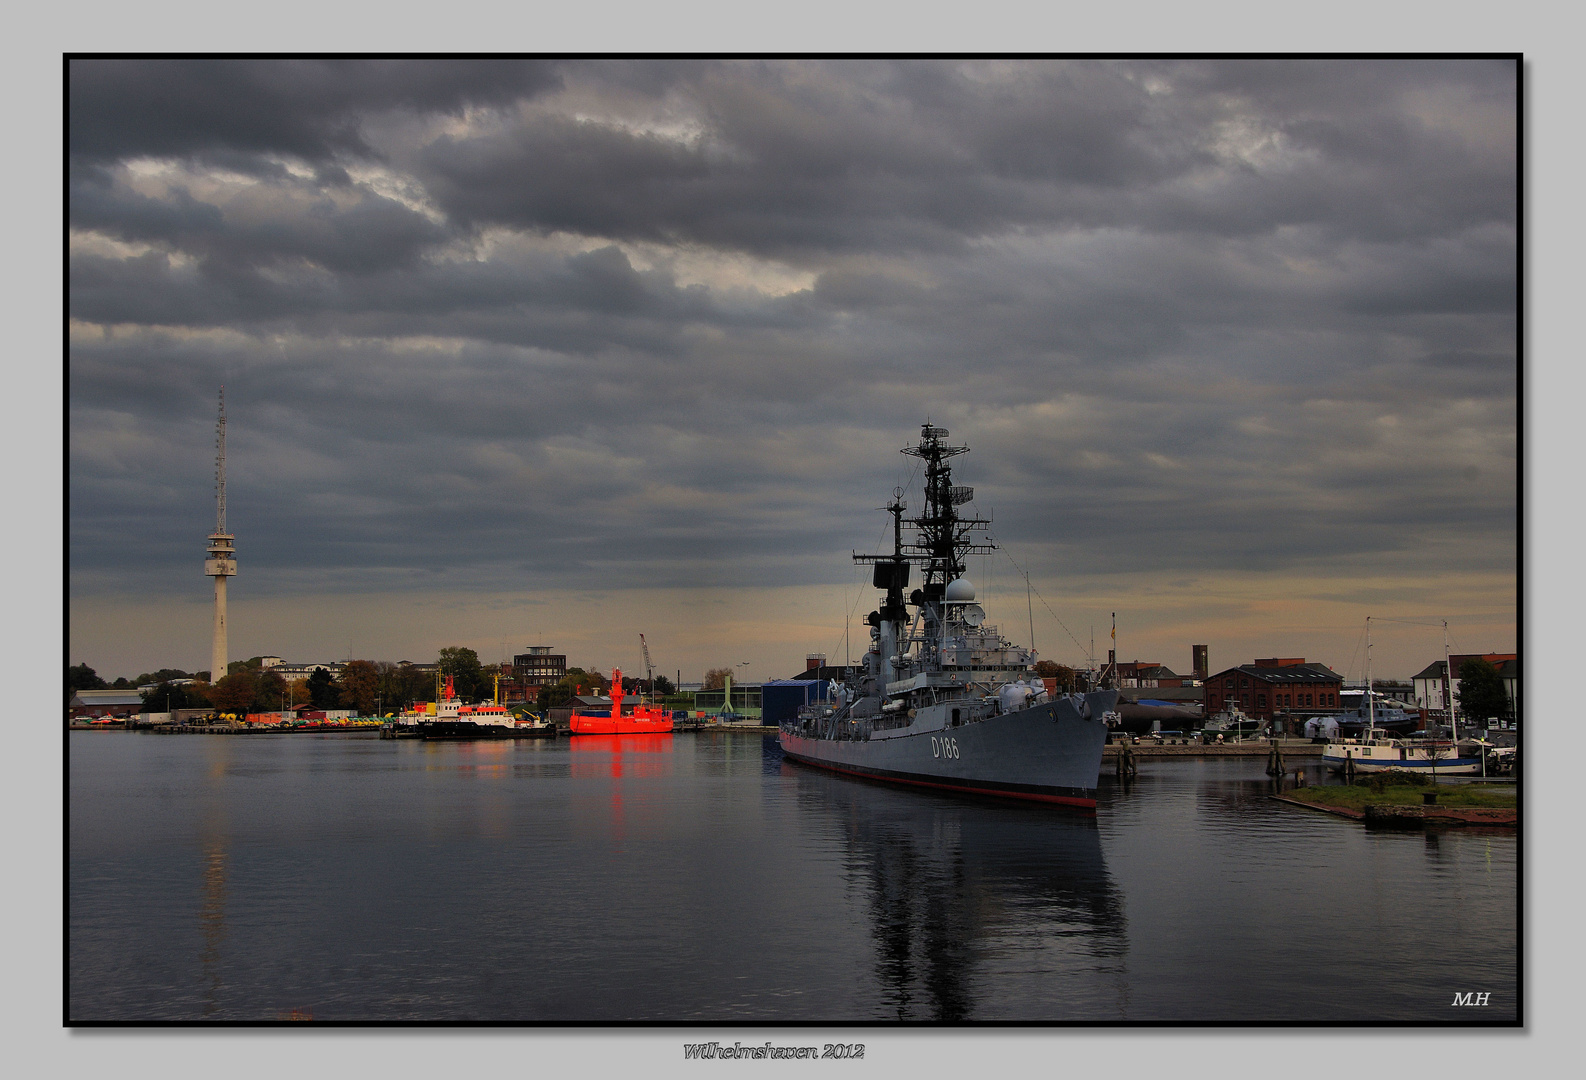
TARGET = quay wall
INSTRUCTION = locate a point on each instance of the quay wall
(1144, 749)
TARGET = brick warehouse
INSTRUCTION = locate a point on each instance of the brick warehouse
(1262, 686)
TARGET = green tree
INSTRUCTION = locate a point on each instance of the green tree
(269, 692)
(150, 678)
(82, 677)
(663, 686)
(388, 687)
(360, 684)
(1481, 693)
(168, 696)
(462, 664)
(321, 689)
(410, 684)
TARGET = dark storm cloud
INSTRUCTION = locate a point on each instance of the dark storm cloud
(359, 234)
(578, 304)
(788, 165)
(120, 109)
(1193, 317)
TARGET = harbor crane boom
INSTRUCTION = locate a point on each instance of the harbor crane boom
(649, 671)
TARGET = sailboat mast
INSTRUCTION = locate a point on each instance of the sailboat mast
(1448, 689)
(1371, 705)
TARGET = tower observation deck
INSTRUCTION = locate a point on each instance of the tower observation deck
(220, 560)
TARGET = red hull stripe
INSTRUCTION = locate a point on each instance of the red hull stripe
(1032, 796)
(623, 729)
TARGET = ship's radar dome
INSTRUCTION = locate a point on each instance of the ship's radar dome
(960, 590)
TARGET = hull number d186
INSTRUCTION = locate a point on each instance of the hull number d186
(944, 747)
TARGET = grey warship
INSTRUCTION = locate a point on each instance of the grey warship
(943, 700)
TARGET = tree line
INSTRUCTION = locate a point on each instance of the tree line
(367, 687)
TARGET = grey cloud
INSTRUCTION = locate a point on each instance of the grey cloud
(1170, 359)
(118, 109)
(371, 233)
(794, 166)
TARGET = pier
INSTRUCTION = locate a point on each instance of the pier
(1150, 748)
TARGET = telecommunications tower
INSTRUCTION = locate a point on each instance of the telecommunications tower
(220, 562)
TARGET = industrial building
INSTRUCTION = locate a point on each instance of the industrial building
(1263, 686)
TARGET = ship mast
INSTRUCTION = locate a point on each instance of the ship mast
(943, 541)
(940, 545)
(1117, 683)
(1371, 710)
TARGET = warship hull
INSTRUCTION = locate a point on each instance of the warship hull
(1048, 753)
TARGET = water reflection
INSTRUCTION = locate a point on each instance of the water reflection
(616, 757)
(212, 908)
(212, 923)
(613, 755)
(975, 909)
(368, 880)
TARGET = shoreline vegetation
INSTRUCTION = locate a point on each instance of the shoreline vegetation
(1358, 796)
(1402, 802)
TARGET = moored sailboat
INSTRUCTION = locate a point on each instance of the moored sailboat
(1376, 751)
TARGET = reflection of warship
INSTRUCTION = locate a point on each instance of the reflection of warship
(979, 911)
(945, 701)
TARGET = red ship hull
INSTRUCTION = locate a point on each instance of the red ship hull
(644, 720)
(622, 725)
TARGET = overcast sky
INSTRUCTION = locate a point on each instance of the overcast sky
(554, 353)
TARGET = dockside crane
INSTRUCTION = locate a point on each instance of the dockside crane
(649, 670)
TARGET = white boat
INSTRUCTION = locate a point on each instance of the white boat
(451, 719)
(1374, 753)
(1408, 755)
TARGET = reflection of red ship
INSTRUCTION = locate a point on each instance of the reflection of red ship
(637, 719)
(626, 755)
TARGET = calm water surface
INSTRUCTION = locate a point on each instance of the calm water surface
(702, 878)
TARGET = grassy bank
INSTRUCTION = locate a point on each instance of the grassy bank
(1361, 795)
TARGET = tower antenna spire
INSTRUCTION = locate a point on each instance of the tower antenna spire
(220, 466)
(220, 560)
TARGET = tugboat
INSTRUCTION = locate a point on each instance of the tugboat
(642, 719)
(944, 700)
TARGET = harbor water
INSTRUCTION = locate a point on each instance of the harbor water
(701, 878)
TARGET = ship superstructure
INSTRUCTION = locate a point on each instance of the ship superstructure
(944, 700)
